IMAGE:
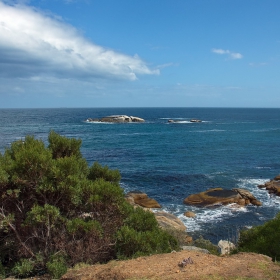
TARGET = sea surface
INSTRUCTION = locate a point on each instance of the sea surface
(230, 148)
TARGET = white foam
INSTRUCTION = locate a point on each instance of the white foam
(204, 215)
(211, 130)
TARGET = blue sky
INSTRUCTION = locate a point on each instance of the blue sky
(148, 53)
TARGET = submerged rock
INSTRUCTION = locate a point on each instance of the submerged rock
(221, 196)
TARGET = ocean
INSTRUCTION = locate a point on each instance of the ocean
(230, 148)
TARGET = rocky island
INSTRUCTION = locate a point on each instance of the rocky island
(117, 119)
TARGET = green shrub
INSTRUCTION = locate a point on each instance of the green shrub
(57, 266)
(97, 171)
(52, 201)
(262, 239)
(2, 271)
(23, 268)
(141, 235)
(206, 244)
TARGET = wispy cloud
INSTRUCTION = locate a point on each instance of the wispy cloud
(230, 54)
(33, 43)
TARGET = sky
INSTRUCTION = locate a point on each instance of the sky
(148, 53)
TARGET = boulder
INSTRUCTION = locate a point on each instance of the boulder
(212, 197)
(244, 193)
(189, 214)
(277, 178)
(225, 246)
(167, 220)
(219, 196)
(272, 186)
(141, 199)
(137, 119)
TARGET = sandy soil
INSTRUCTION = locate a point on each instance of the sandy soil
(242, 266)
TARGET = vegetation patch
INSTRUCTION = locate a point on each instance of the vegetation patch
(56, 211)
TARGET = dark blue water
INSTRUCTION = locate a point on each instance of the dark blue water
(169, 161)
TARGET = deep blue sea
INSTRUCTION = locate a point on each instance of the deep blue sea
(230, 148)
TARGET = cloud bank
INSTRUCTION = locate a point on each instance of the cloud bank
(34, 44)
(231, 55)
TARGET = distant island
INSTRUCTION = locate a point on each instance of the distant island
(117, 119)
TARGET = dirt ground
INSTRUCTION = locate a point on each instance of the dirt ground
(242, 266)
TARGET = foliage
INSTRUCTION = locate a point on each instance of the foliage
(2, 271)
(141, 236)
(23, 268)
(57, 266)
(52, 202)
(97, 171)
(206, 244)
(262, 239)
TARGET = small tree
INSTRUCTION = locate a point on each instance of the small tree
(52, 203)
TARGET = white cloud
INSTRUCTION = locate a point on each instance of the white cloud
(35, 44)
(231, 55)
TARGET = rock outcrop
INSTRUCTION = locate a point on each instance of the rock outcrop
(117, 119)
(141, 199)
(221, 196)
(272, 186)
(167, 220)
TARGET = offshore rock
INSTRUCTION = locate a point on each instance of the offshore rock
(117, 119)
(141, 199)
(219, 196)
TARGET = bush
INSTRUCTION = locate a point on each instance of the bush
(52, 201)
(262, 239)
(206, 244)
(2, 271)
(23, 268)
(141, 235)
(57, 266)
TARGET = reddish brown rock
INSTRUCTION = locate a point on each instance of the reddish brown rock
(167, 220)
(272, 186)
(141, 199)
(221, 196)
(189, 214)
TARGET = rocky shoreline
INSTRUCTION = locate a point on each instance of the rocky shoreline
(209, 198)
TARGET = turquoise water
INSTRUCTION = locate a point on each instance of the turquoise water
(169, 161)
